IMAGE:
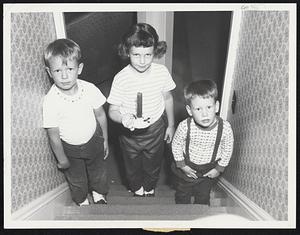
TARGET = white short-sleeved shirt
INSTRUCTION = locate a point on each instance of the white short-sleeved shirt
(127, 83)
(73, 115)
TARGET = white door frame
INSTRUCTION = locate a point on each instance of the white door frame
(230, 64)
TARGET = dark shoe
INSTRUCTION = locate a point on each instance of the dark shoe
(101, 201)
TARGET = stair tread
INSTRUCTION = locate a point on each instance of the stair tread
(179, 209)
(138, 216)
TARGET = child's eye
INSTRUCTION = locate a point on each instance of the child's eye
(70, 69)
(148, 55)
(56, 71)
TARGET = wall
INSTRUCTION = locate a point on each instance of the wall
(33, 167)
(259, 165)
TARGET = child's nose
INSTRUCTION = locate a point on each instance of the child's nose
(204, 113)
(142, 60)
(64, 74)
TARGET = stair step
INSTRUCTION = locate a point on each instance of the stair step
(125, 212)
(120, 200)
(160, 191)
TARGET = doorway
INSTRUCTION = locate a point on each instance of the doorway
(200, 46)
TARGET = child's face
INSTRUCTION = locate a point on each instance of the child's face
(141, 58)
(203, 110)
(63, 74)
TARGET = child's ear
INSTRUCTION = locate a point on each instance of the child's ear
(188, 109)
(80, 67)
(48, 71)
(217, 106)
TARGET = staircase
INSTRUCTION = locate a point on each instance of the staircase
(123, 206)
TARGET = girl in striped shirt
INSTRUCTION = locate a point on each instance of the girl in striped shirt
(139, 98)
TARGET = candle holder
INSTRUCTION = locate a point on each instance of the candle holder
(140, 122)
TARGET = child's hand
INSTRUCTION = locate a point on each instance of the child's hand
(62, 165)
(213, 173)
(106, 149)
(189, 172)
(169, 134)
(128, 121)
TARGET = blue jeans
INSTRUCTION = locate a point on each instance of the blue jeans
(87, 171)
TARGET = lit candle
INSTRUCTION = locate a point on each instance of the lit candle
(139, 105)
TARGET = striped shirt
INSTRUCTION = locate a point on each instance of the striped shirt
(127, 83)
(202, 143)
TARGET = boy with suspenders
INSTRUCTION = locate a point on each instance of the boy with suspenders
(202, 145)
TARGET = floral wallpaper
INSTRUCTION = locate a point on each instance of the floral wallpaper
(259, 165)
(33, 168)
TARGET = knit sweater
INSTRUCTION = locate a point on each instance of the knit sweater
(202, 142)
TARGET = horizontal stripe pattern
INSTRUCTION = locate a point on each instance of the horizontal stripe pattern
(127, 83)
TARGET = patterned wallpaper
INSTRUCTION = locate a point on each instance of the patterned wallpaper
(33, 168)
(259, 166)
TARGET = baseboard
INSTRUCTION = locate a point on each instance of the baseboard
(250, 208)
(43, 208)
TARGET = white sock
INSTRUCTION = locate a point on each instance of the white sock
(85, 202)
(97, 196)
(149, 192)
(140, 191)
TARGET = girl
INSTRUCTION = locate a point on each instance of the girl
(145, 87)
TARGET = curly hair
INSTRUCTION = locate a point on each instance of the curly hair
(142, 35)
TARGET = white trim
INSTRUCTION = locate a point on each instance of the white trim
(45, 201)
(231, 57)
(7, 111)
(244, 202)
(59, 23)
(292, 144)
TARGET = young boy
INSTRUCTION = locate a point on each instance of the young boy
(202, 144)
(71, 110)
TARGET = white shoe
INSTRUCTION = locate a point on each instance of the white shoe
(140, 192)
(98, 198)
(149, 193)
(85, 202)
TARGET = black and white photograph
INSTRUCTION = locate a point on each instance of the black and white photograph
(163, 116)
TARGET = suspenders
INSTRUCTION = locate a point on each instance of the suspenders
(201, 169)
(217, 142)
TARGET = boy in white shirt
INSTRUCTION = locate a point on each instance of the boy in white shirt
(76, 123)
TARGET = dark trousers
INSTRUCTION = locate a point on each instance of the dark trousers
(87, 171)
(142, 151)
(200, 190)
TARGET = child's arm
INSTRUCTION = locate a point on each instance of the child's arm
(170, 116)
(101, 118)
(127, 120)
(56, 145)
